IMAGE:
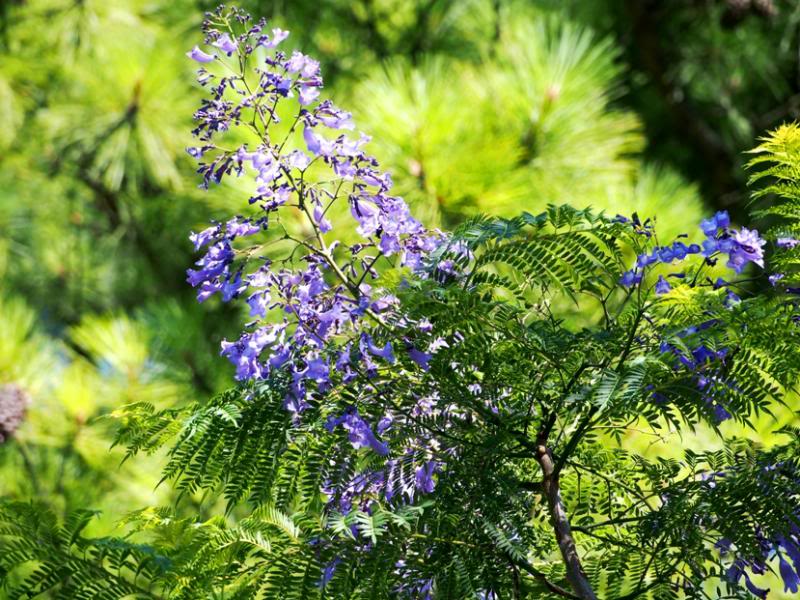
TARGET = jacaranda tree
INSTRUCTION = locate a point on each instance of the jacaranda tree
(423, 414)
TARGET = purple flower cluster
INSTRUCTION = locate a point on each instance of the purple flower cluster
(784, 546)
(401, 478)
(359, 431)
(317, 316)
(667, 255)
(415, 588)
(742, 246)
(787, 243)
(299, 307)
(706, 368)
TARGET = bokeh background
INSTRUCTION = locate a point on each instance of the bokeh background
(490, 106)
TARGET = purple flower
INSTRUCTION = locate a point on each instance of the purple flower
(367, 215)
(710, 246)
(308, 94)
(240, 228)
(319, 217)
(666, 255)
(679, 250)
(754, 589)
(747, 247)
(196, 152)
(630, 278)
(316, 370)
(296, 62)
(232, 288)
(200, 56)
(384, 424)
(316, 144)
(423, 477)
(280, 356)
(245, 352)
(329, 571)
(359, 433)
(204, 237)
(644, 260)
(662, 286)
(258, 304)
(720, 413)
(786, 242)
(208, 289)
(732, 298)
(791, 582)
(278, 35)
(298, 160)
(226, 44)
(711, 226)
(332, 117)
(283, 86)
(703, 354)
(213, 274)
(384, 352)
(421, 358)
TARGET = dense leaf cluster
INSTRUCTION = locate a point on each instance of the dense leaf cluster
(542, 378)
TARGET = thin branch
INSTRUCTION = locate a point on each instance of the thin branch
(531, 570)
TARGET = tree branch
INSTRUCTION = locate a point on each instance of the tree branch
(563, 532)
(575, 439)
(536, 573)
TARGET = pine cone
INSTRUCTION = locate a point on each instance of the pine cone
(735, 12)
(738, 6)
(765, 8)
(13, 404)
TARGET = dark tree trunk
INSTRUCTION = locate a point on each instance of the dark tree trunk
(561, 527)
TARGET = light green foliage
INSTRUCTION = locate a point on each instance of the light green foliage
(24, 352)
(777, 159)
(533, 123)
(61, 454)
(427, 126)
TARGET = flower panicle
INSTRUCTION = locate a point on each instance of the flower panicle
(318, 164)
(742, 246)
(319, 316)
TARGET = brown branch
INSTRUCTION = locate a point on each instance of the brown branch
(537, 574)
(563, 532)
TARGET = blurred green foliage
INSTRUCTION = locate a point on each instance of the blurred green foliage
(474, 105)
